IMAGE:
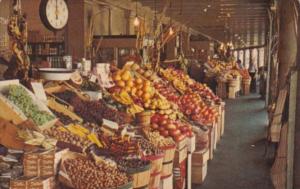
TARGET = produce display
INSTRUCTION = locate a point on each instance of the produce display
(158, 140)
(18, 95)
(66, 120)
(122, 146)
(195, 108)
(89, 86)
(148, 148)
(205, 92)
(140, 90)
(138, 123)
(170, 128)
(93, 111)
(86, 174)
(63, 135)
(129, 164)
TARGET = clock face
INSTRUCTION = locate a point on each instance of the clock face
(54, 14)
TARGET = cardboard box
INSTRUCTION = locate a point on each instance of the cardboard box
(40, 163)
(33, 183)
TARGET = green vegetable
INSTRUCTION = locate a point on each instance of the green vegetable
(23, 101)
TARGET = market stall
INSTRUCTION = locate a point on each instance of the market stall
(140, 124)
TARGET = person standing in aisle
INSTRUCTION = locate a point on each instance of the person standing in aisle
(240, 65)
(252, 71)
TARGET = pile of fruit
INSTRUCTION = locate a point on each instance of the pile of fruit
(170, 128)
(86, 174)
(146, 73)
(93, 111)
(122, 146)
(167, 91)
(195, 108)
(156, 139)
(19, 96)
(205, 92)
(140, 90)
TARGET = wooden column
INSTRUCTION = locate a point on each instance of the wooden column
(75, 41)
(294, 177)
(269, 57)
(287, 41)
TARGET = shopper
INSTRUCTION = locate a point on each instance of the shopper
(240, 65)
(252, 71)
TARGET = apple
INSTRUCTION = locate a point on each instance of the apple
(154, 126)
(175, 133)
(171, 126)
(179, 138)
(165, 133)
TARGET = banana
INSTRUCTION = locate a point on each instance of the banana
(93, 138)
(82, 129)
(76, 131)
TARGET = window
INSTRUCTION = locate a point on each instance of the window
(261, 61)
(247, 58)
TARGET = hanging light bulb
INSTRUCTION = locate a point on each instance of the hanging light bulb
(171, 31)
(136, 21)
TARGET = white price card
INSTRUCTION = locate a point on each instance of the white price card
(103, 73)
(110, 124)
(39, 91)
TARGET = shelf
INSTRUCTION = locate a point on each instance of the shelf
(45, 55)
(39, 43)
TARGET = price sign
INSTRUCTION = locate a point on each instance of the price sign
(39, 91)
(103, 73)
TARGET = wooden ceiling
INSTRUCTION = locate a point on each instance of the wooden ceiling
(243, 22)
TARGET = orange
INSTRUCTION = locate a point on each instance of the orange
(129, 83)
(139, 81)
(139, 93)
(133, 90)
(147, 88)
(126, 75)
(146, 96)
(121, 83)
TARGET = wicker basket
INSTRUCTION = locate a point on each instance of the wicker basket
(167, 169)
(141, 176)
(156, 162)
(154, 180)
(144, 118)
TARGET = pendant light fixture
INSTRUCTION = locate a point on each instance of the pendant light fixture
(136, 21)
(171, 31)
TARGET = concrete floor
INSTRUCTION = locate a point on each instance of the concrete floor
(239, 161)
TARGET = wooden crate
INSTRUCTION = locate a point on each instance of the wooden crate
(215, 127)
(191, 144)
(222, 118)
(200, 157)
(63, 109)
(167, 183)
(180, 155)
(33, 183)
(40, 163)
(199, 173)
(211, 136)
(181, 144)
(222, 89)
(189, 171)
(9, 110)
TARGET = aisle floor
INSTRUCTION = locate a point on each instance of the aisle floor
(239, 161)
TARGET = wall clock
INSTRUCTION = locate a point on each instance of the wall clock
(54, 14)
